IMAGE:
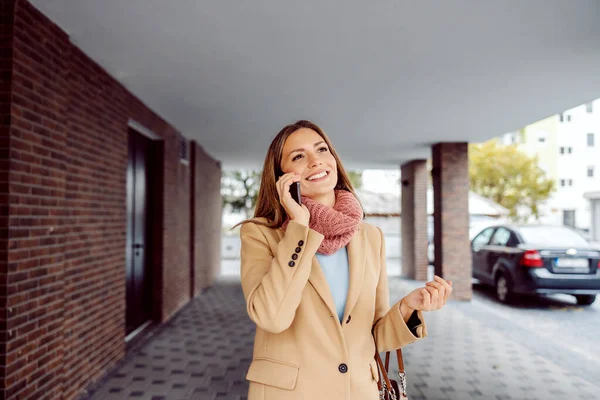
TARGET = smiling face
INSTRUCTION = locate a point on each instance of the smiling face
(307, 154)
(314, 155)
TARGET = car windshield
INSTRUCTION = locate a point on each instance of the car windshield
(555, 236)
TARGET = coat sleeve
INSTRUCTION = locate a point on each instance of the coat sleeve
(390, 330)
(271, 286)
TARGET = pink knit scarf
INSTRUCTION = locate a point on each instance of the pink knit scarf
(337, 224)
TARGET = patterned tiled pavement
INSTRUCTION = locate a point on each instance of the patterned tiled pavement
(204, 353)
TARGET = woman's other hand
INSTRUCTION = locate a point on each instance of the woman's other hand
(296, 212)
(432, 297)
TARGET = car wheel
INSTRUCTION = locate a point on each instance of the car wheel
(504, 292)
(585, 299)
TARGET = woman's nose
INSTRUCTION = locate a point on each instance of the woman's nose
(314, 162)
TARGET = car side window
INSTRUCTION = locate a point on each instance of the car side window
(482, 239)
(501, 237)
(513, 241)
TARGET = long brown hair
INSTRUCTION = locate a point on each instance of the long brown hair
(267, 202)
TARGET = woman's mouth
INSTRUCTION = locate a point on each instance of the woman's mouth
(318, 177)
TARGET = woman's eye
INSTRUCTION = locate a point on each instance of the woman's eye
(323, 149)
(297, 157)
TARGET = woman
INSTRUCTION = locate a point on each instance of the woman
(315, 280)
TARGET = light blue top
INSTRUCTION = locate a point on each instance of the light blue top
(335, 267)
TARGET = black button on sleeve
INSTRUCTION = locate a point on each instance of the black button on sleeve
(294, 256)
(291, 263)
(300, 243)
(343, 368)
(298, 249)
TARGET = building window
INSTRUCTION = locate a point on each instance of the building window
(589, 108)
(569, 218)
(590, 171)
(562, 117)
(566, 182)
(542, 139)
(590, 140)
(566, 150)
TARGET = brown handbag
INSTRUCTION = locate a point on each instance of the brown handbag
(391, 389)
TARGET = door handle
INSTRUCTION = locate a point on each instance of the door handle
(137, 248)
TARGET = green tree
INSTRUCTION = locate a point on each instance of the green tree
(355, 178)
(239, 190)
(509, 177)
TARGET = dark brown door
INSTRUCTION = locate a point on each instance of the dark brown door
(138, 304)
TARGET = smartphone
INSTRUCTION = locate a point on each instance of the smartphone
(295, 192)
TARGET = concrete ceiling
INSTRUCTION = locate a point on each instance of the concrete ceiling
(385, 79)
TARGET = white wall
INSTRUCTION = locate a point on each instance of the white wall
(571, 133)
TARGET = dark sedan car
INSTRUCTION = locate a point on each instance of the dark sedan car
(536, 260)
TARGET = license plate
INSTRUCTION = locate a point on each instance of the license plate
(571, 262)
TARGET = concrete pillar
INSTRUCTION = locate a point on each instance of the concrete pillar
(414, 220)
(450, 174)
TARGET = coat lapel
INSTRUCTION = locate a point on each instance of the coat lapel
(318, 280)
(356, 259)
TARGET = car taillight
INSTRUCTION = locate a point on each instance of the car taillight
(598, 264)
(532, 258)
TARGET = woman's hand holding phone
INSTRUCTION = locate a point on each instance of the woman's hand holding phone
(296, 212)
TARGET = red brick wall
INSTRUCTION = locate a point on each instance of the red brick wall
(6, 33)
(176, 239)
(64, 274)
(451, 216)
(208, 205)
(414, 219)
(38, 211)
(95, 228)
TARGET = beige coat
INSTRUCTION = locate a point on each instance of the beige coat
(301, 351)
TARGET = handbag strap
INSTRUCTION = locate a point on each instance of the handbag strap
(400, 361)
(385, 388)
(379, 384)
(383, 371)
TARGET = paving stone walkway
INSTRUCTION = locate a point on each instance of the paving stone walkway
(203, 353)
